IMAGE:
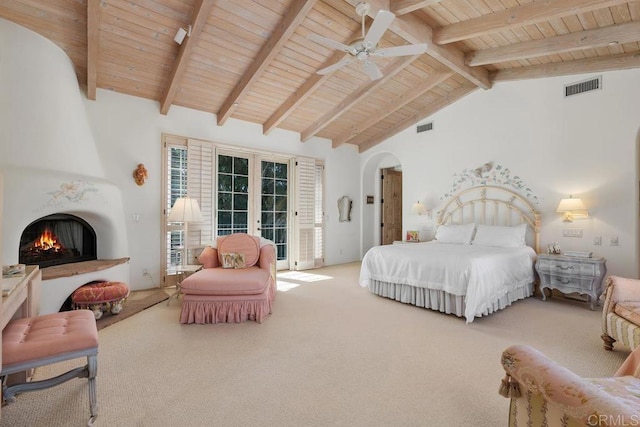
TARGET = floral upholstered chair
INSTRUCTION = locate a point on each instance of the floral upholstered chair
(621, 312)
(543, 393)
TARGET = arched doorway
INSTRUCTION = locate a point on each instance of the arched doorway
(371, 190)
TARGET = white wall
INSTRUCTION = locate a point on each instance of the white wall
(128, 131)
(586, 145)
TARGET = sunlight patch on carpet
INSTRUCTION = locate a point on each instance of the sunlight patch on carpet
(303, 277)
(286, 286)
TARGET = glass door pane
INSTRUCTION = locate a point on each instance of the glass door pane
(274, 206)
(233, 195)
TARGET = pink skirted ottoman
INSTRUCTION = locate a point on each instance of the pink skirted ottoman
(100, 297)
(244, 291)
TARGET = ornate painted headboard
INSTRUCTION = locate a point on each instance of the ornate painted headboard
(491, 205)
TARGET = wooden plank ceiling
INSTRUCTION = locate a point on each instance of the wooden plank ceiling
(253, 59)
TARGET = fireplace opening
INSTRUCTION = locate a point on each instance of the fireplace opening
(57, 239)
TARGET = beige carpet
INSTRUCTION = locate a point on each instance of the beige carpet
(331, 354)
(136, 302)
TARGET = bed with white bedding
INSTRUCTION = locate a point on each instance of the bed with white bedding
(481, 261)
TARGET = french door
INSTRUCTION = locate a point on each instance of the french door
(254, 197)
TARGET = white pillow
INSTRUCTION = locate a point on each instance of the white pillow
(502, 236)
(458, 234)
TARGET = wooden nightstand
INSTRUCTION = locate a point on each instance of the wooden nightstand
(571, 274)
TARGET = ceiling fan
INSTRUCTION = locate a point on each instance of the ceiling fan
(362, 49)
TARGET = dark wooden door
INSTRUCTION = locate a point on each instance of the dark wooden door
(391, 205)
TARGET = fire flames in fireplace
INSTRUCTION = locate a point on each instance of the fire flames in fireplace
(47, 247)
(57, 239)
(47, 242)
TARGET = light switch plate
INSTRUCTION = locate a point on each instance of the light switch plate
(572, 232)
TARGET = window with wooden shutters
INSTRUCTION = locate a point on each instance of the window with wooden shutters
(309, 214)
(176, 176)
(200, 158)
(240, 190)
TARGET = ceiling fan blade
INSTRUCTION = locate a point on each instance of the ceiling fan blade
(380, 24)
(331, 68)
(410, 49)
(372, 70)
(329, 43)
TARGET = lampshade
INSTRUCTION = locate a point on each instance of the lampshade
(185, 209)
(418, 208)
(572, 208)
(570, 205)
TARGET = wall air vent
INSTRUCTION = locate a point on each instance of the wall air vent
(583, 86)
(425, 127)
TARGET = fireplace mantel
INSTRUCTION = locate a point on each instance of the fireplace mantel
(83, 267)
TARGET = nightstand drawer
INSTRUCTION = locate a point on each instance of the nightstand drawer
(572, 268)
(571, 282)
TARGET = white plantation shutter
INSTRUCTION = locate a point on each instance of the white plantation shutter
(318, 253)
(308, 244)
(200, 159)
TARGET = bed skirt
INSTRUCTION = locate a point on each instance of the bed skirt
(443, 301)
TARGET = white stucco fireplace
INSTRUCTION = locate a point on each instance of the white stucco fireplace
(49, 158)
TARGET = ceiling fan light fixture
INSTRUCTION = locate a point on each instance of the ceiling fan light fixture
(364, 48)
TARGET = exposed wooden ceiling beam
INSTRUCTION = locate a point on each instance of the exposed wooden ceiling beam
(200, 14)
(296, 14)
(414, 30)
(526, 14)
(401, 7)
(302, 93)
(623, 61)
(449, 99)
(618, 34)
(391, 107)
(388, 73)
(93, 47)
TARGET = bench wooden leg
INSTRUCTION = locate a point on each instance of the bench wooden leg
(89, 371)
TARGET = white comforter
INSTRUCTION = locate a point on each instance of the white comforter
(481, 273)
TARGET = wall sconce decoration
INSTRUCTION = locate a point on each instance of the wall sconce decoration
(418, 208)
(140, 174)
(344, 209)
(572, 208)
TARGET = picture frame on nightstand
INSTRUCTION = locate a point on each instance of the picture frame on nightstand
(413, 236)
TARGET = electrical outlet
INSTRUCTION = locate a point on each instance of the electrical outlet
(597, 240)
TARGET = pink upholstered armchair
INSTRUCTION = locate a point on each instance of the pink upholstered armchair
(237, 282)
(543, 393)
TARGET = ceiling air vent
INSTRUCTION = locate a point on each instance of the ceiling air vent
(583, 86)
(425, 127)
